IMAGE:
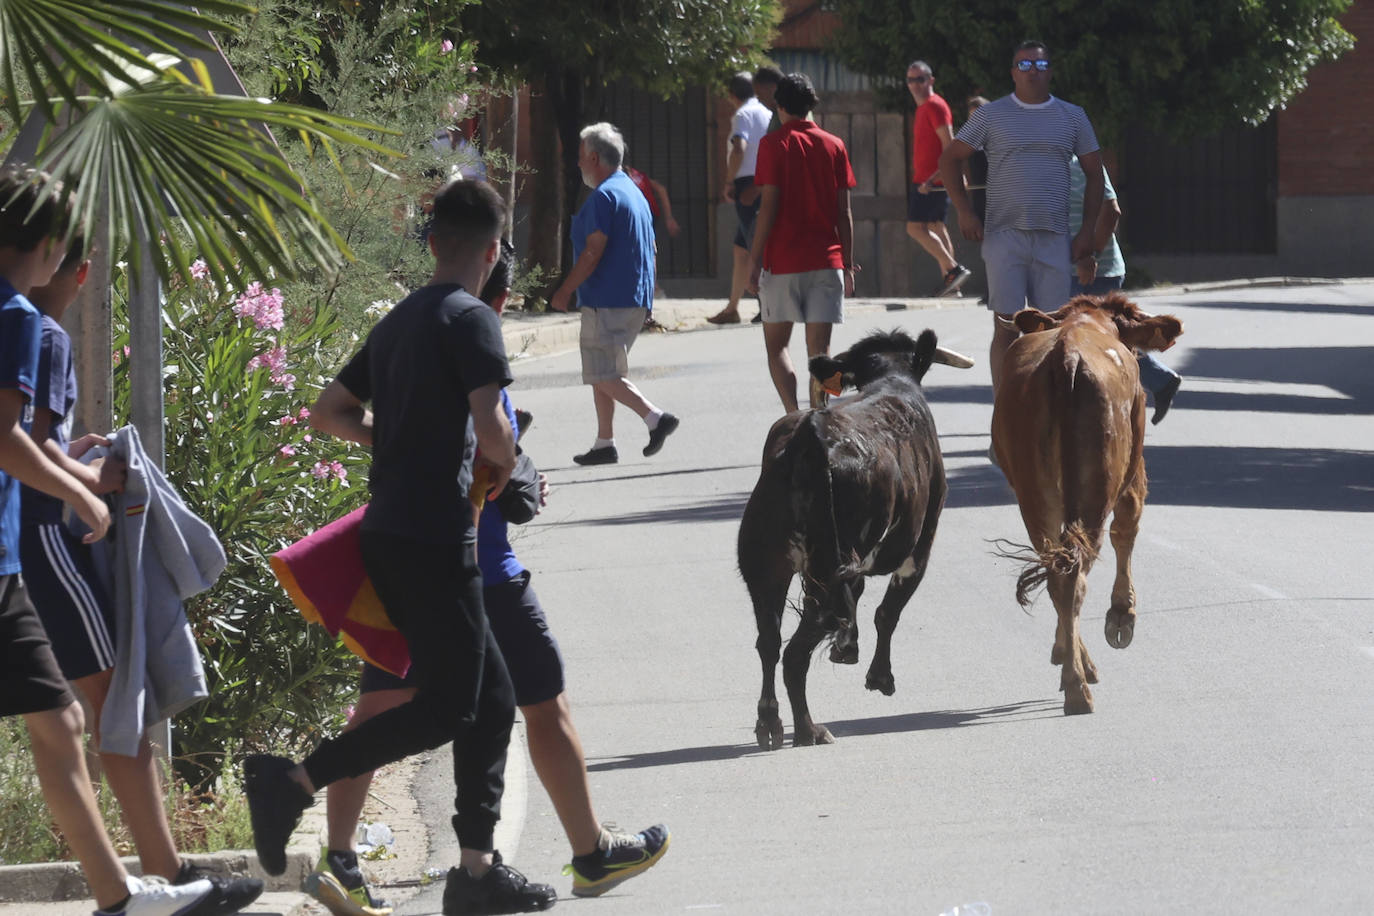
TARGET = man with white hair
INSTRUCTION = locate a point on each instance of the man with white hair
(613, 275)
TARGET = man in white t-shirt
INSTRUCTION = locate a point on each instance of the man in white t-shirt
(1029, 137)
(747, 127)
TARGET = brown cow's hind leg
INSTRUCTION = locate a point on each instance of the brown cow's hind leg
(1067, 590)
(1120, 628)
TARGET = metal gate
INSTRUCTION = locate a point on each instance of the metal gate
(1212, 195)
(666, 140)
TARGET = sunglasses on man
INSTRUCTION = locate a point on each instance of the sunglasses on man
(918, 80)
(1025, 66)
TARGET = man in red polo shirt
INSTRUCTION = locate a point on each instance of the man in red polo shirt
(802, 259)
(926, 200)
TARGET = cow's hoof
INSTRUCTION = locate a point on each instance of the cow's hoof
(816, 734)
(769, 734)
(883, 683)
(1078, 702)
(844, 655)
(1120, 627)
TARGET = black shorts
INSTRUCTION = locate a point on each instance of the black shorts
(30, 680)
(522, 631)
(926, 208)
(71, 601)
(748, 214)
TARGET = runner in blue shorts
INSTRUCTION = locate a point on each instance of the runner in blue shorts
(602, 856)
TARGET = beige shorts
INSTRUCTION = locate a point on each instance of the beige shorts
(607, 335)
(1026, 268)
(809, 297)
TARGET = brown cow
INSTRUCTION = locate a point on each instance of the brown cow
(1068, 430)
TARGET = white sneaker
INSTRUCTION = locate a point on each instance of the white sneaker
(153, 896)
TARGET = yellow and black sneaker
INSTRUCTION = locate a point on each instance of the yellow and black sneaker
(337, 882)
(619, 857)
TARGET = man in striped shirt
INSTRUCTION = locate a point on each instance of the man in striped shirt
(1029, 137)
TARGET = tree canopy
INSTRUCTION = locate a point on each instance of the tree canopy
(136, 123)
(1184, 67)
(572, 51)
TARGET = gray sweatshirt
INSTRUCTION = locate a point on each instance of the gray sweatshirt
(157, 555)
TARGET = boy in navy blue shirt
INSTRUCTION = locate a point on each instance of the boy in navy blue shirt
(33, 219)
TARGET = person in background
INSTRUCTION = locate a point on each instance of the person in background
(613, 277)
(747, 127)
(1103, 270)
(926, 200)
(802, 260)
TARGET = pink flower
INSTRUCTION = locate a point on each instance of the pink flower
(445, 46)
(320, 471)
(263, 309)
(472, 69)
(303, 414)
(126, 350)
(287, 420)
(339, 471)
(287, 451)
(198, 269)
(309, 438)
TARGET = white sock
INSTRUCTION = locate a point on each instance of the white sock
(604, 443)
(651, 419)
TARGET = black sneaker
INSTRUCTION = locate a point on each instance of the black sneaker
(1164, 398)
(604, 455)
(338, 883)
(227, 895)
(956, 277)
(596, 873)
(501, 890)
(666, 424)
(275, 803)
(757, 319)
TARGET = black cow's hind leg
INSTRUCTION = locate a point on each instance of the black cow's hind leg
(796, 660)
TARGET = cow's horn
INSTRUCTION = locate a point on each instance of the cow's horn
(950, 358)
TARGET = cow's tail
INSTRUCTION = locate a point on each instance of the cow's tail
(813, 499)
(1076, 550)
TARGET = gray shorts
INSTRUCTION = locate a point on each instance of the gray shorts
(607, 335)
(809, 297)
(1026, 266)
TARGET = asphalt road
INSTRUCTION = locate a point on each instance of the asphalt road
(1226, 769)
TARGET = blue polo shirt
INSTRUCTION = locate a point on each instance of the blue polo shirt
(624, 277)
(21, 331)
(495, 556)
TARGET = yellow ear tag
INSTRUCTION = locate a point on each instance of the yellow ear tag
(834, 385)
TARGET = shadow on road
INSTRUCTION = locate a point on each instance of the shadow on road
(1320, 308)
(1343, 369)
(1334, 480)
(563, 482)
(1024, 711)
(728, 507)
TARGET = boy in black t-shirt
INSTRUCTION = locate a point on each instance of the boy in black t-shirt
(436, 360)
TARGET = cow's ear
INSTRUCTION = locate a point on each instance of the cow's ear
(1028, 321)
(825, 367)
(1149, 332)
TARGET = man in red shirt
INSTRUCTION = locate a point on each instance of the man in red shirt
(802, 259)
(926, 200)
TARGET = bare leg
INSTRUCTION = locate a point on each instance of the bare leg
(935, 242)
(556, 752)
(817, 344)
(61, 763)
(776, 336)
(344, 799)
(739, 279)
(607, 394)
(1002, 339)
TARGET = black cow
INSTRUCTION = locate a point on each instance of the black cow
(848, 491)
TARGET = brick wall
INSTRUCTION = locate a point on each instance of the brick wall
(1326, 136)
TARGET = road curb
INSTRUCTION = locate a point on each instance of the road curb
(40, 882)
